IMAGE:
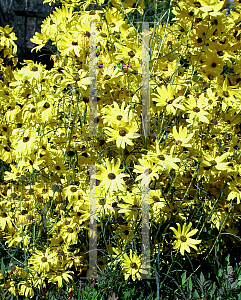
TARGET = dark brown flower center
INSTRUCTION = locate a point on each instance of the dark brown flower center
(220, 53)
(6, 148)
(155, 199)
(183, 238)
(23, 178)
(131, 53)
(87, 33)
(76, 78)
(103, 35)
(196, 109)
(133, 265)
(119, 117)
(161, 157)
(226, 94)
(107, 77)
(4, 215)
(122, 132)
(148, 171)
(214, 122)
(111, 176)
(70, 230)
(62, 207)
(26, 139)
(46, 105)
(34, 69)
(74, 43)
(213, 163)
(55, 187)
(197, 4)
(44, 259)
(73, 189)
(60, 253)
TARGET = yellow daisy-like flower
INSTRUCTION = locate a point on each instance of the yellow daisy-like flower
(122, 135)
(195, 107)
(165, 97)
(25, 289)
(42, 260)
(181, 137)
(131, 266)
(184, 242)
(60, 275)
(111, 178)
(215, 162)
(7, 38)
(146, 168)
(116, 116)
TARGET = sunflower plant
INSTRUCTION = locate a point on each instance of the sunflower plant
(134, 193)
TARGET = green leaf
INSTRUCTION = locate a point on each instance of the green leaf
(220, 271)
(183, 277)
(189, 284)
(2, 268)
(202, 278)
(195, 294)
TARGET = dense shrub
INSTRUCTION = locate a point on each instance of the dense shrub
(189, 161)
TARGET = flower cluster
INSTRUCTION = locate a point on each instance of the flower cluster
(55, 174)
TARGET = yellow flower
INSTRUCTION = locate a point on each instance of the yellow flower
(215, 162)
(122, 135)
(42, 261)
(165, 97)
(71, 44)
(10, 286)
(166, 162)
(235, 191)
(111, 178)
(27, 141)
(132, 205)
(26, 289)
(77, 78)
(146, 168)
(131, 266)
(7, 38)
(5, 220)
(116, 116)
(58, 276)
(195, 108)
(181, 137)
(131, 52)
(184, 242)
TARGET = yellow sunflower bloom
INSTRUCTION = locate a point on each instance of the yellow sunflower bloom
(184, 242)
(122, 135)
(131, 266)
(110, 177)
